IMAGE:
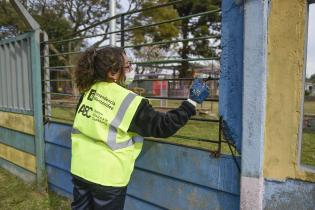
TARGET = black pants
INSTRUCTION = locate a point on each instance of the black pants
(89, 196)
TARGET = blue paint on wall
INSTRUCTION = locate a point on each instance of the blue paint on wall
(291, 194)
(138, 203)
(166, 176)
(18, 140)
(172, 193)
(180, 162)
(231, 77)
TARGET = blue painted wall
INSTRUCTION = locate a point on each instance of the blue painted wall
(20, 141)
(291, 194)
(165, 177)
(231, 78)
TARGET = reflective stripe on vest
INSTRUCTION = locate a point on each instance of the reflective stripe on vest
(114, 145)
(111, 138)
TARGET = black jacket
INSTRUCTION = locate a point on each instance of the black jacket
(148, 122)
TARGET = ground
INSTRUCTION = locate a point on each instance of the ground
(17, 195)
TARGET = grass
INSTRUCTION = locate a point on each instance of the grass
(308, 141)
(15, 194)
(309, 107)
(308, 148)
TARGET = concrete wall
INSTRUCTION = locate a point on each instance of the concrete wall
(284, 189)
(165, 176)
(20, 116)
(286, 54)
(231, 76)
(292, 194)
(254, 99)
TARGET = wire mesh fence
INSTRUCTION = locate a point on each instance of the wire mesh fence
(164, 67)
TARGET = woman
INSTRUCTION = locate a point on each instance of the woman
(109, 127)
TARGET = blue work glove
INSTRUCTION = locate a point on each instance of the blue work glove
(199, 91)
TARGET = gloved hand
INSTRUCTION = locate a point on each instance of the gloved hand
(199, 91)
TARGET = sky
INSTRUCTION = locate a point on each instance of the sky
(310, 66)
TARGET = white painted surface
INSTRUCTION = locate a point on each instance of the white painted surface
(252, 190)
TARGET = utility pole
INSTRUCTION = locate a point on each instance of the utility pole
(112, 8)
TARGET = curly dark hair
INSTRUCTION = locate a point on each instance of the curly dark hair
(94, 64)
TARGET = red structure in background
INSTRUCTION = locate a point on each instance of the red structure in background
(159, 87)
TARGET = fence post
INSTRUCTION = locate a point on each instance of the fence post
(37, 105)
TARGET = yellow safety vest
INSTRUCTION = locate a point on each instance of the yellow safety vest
(103, 152)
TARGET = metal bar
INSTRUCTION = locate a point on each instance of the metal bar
(59, 118)
(170, 79)
(173, 41)
(195, 139)
(122, 40)
(178, 98)
(174, 60)
(58, 70)
(46, 74)
(172, 20)
(220, 135)
(60, 67)
(112, 23)
(58, 80)
(62, 94)
(125, 13)
(67, 53)
(138, 27)
(205, 120)
(234, 158)
(26, 16)
(71, 105)
(174, 143)
(38, 114)
(122, 27)
(151, 62)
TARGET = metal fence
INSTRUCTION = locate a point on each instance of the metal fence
(15, 75)
(165, 89)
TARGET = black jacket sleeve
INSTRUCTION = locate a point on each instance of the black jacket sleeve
(149, 122)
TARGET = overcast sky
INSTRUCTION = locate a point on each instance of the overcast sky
(310, 67)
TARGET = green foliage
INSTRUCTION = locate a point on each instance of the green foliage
(55, 26)
(312, 78)
(9, 19)
(182, 29)
(307, 93)
(156, 33)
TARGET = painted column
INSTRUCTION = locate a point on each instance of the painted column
(231, 77)
(254, 102)
(287, 185)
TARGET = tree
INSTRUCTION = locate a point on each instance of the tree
(202, 26)
(186, 28)
(158, 33)
(10, 22)
(312, 78)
